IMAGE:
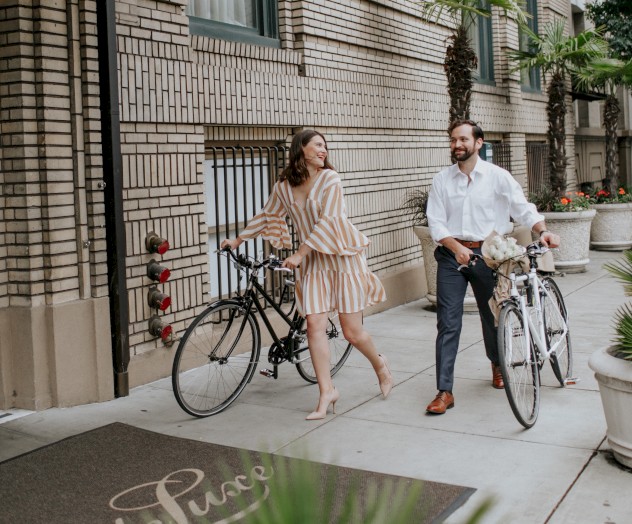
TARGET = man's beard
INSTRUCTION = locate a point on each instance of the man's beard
(462, 156)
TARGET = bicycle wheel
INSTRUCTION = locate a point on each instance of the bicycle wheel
(518, 365)
(555, 318)
(215, 359)
(339, 350)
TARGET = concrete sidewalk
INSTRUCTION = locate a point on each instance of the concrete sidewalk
(559, 471)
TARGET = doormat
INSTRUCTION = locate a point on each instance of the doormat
(121, 474)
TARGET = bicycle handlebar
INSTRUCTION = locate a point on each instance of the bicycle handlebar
(272, 262)
(533, 250)
(473, 259)
(536, 249)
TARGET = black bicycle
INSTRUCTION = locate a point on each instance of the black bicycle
(218, 353)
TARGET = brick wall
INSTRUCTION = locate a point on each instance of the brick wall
(49, 137)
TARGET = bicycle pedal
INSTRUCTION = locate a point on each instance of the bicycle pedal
(571, 381)
(267, 373)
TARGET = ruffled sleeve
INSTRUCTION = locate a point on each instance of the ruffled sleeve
(270, 223)
(334, 234)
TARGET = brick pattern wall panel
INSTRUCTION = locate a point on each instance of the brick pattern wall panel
(49, 127)
(164, 193)
(358, 26)
(378, 169)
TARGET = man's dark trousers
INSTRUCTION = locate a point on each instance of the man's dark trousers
(451, 289)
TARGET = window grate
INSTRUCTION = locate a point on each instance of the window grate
(537, 166)
(502, 155)
(238, 181)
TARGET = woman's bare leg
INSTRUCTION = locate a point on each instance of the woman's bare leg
(319, 352)
(355, 334)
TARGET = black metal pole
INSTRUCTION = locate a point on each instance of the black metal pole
(113, 193)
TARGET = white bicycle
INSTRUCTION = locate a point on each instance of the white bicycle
(532, 328)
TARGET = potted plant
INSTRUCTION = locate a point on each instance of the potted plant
(570, 216)
(416, 202)
(611, 229)
(613, 370)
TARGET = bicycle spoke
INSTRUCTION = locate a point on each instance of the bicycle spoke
(519, 366)
(556, 331)
(215, 360)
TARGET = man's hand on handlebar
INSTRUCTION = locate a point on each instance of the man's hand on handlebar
(549, 239)
(463, 255)
(473, 258)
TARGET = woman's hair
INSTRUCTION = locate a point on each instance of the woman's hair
(296, 171)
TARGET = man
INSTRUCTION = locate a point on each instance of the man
(468, 201)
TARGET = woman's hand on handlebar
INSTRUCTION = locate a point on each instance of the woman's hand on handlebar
(232, 243)
(293, 261)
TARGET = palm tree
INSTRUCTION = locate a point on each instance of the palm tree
(608, 74)
(558, 55)
(460, 57)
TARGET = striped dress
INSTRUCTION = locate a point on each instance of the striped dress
(335, 275)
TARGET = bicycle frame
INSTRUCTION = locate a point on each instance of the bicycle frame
(250, 297)
(535, 330)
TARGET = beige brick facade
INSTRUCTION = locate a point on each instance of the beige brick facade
(369, 74)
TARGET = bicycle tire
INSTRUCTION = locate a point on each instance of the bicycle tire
(215, 359)
(518, 365)
(562, 359)
(339, 350)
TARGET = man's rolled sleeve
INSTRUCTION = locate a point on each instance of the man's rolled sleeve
(436, 213)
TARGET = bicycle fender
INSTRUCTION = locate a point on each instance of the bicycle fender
(226, 301)
(239, 303)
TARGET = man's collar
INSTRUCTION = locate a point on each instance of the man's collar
(481, 167)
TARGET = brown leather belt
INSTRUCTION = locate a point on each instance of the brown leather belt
(471, 244)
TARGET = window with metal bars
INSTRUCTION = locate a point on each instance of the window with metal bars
(537, 166)
(238, 181)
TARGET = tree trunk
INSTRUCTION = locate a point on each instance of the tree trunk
(610, 122)
(556, 134)
(460, 61)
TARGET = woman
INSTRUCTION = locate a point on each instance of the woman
(332, 272)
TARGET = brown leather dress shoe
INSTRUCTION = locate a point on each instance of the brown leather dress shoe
(497, 377)
(443, 401)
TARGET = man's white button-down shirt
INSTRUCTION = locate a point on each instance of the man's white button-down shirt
(472, 210)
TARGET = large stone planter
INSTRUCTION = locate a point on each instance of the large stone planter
(573, 227)
(428, 247)
(614, 376)
(611, 229)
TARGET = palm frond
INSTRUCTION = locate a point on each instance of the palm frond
(553, 50)
(605, 71)
(433, 9)
(622, 270)
(623, 330)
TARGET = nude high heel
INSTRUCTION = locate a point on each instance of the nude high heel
(385, 378)
(331, 398)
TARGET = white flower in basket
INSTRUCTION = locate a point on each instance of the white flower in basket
(498, 249)
(502, 254)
